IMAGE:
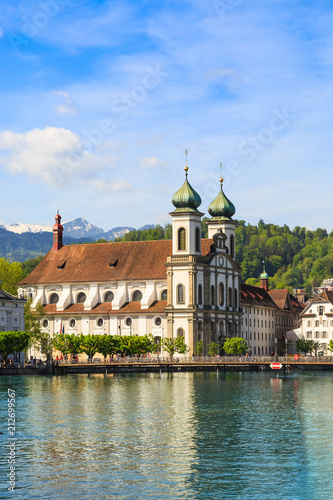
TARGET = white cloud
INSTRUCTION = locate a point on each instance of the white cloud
(153, 163)
(68, 108)
(47, 155)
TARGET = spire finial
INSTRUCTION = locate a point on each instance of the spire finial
(263, 263)
(58, 211)
(186, 167)
(221, 179)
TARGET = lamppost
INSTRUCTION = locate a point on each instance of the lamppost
(276, 352)
(286, 342)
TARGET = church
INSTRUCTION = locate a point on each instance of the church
(185, 287)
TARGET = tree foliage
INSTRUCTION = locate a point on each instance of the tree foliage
(307, 346)
(235, 346)
(11, 342)
(174, 345)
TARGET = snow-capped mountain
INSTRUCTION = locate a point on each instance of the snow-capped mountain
(76, 228)
(81, 228)
(20, 228)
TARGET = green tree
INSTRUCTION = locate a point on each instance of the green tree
(11, 342)
(108, 345)
(198, 348)
(304, 345)
(330, 346)
(10, 274)
(32, 317)
(213, 349)
(89, 344)
(235, 346)
(174, 345)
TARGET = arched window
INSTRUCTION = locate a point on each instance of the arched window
(197, 240)
(54, 298)
(181, 239)
(212, 295)
(200, 325)
(180, 333)
(164, 295)
(180, 294)
(232, 246)
(108, 297)
(200, 295)
(137, 296)
(235, 298)
(221, 294)
(81, 298)
(230, 297)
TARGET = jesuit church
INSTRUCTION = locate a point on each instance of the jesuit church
(188, 286)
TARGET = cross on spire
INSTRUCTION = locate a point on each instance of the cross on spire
(186, 167)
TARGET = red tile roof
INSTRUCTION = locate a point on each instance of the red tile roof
(256, 296)
(100, 262)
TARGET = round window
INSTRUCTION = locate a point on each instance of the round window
(128, 321)
(45, 323)
(72, 323)
(158, 321)
(100, 322)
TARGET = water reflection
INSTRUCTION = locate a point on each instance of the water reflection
(181, 436)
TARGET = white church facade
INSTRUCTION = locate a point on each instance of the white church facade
(187, 286)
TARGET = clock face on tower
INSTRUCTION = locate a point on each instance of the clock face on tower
(221, 261)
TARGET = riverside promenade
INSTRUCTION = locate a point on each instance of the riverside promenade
(134, 365)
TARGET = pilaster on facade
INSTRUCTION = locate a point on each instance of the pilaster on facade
(92, 297)
(39, 297)
(120, 296)
(149, 295)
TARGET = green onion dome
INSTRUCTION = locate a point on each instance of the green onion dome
(221, 207)
(264, 275)
(186, 197)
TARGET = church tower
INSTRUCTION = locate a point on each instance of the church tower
(222, 210)
(57, 233)
(264, 278)
(186, 220)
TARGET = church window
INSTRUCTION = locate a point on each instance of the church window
(200, 295)
(221, 294)
(164, 295)
(108, 297)
(81, 298)
(181, 238)
(128, 321)
(180, 294)
(158, 321)
(235, 297)
(212, 293)
(137, 296)
(230, 297)
(197, 240)
(200, 325)
(232, 246)
(72, 323)
(180, 333)
(100, 322)
(45, 323)
(54, 298)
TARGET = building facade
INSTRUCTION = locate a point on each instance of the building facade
(317, 320)
(12, 317)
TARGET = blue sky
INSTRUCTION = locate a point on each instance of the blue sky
(99, 100)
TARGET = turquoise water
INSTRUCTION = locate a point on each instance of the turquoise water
(177, 436)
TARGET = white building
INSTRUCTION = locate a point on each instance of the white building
(12, 317)
(317, 320)
(187, 286)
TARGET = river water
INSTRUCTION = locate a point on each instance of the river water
(170, 436)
